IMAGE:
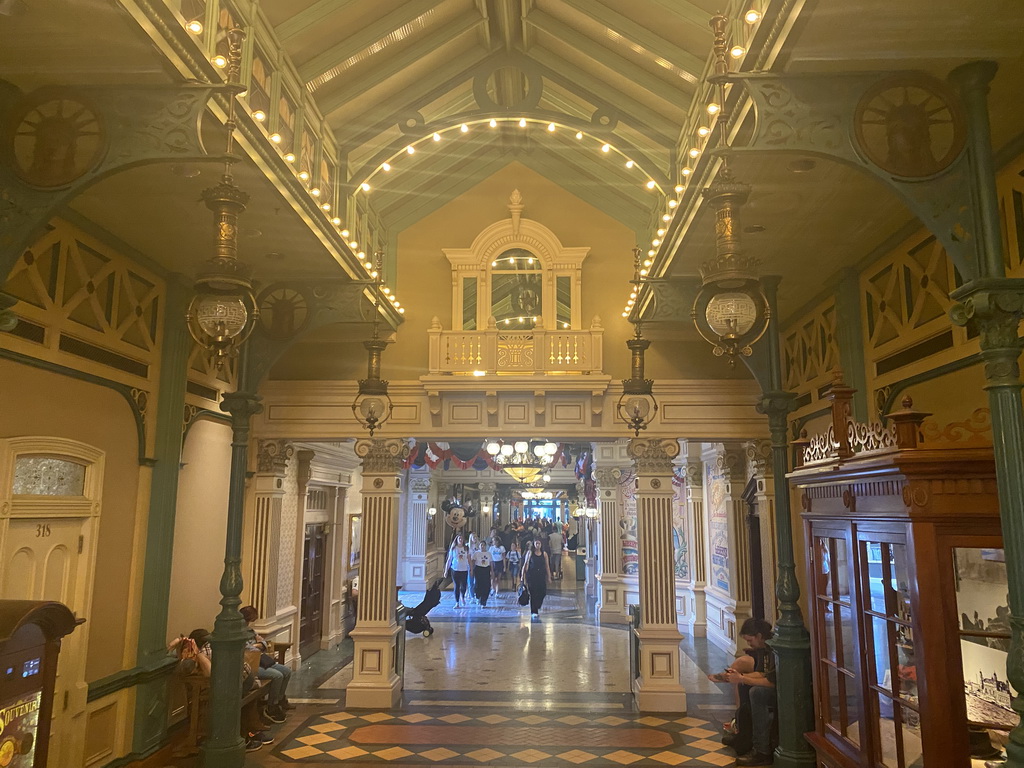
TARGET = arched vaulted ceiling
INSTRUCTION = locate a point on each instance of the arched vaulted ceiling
(390, 73)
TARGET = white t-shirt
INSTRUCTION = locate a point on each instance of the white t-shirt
(497, 553)
(555, 542)
(459, 559)
(482, 558)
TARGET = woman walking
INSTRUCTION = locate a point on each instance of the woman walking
(514, 558)
(536, 576)
(458, 565)
(481, 573)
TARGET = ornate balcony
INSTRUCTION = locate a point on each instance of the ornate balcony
(497, 351)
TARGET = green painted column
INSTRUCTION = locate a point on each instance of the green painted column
(792, 642)
(850, 339)
(994, 304)
(225, 748)
(151, 694)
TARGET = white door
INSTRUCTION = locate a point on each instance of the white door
(47, 553)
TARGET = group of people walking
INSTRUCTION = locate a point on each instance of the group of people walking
(478, 570)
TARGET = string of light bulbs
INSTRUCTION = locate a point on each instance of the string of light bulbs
(697, 144)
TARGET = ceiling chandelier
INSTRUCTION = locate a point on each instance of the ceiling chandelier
(372, 406)
(637, 406)
(730, 311)
(522, 460)
(223, 311)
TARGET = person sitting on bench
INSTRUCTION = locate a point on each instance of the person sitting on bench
(269, 669)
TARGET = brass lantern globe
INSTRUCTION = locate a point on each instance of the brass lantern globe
(637, 405)
(372, 406)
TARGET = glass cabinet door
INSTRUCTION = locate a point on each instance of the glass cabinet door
(838, 676)
(888, 630)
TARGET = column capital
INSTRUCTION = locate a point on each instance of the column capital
(607, 477)
(272, 456)
(419, 482)
(242, 406)
(653, 455)
(759, 457)
(382, 456)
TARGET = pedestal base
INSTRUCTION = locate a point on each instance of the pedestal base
(659, 688)
(612, 596)
(375, 684)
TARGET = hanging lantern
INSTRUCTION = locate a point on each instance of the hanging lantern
(372, 406)
(637, 406)
(223, 311)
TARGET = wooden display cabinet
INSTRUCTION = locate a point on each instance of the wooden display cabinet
(888, 518)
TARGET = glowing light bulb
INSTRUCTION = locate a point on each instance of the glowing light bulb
(625, 314)
(493, 123)
(411, 149)
(630, 163)
(694, 152)
(648, 262)
(703, 131)
(336, 221)
(551, 127)
(661, 232)
(326, 206)
(344, 233)
(752, 16)
(605, 147)
(259, 115)
(713, 108)
(673, 203)
(666, 217)
(385, 166)
(276, 138)
(655, 242)
(494, 263)
(687, 171)
(579, 134)
(315, 192)
(401, 310)
(650, 184)
(365, 187)
(643, 273)
(361, 255)
(219, 61)
(354, 244)
(679, 188)
(437, 136)
(195, 27)
(374, 274)
(464, 128)
(737, 51)
(649, 253)
(632, 295)
(289, 158)
(385, 290)
(304, 175)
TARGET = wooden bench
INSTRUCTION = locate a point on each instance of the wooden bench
(197, 693)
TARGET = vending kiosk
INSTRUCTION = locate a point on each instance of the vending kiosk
(30, 634)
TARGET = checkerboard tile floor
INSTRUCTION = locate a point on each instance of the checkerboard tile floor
(542, 740)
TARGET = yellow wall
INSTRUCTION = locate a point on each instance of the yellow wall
(68, 408)
(200, 528)
(424, 285)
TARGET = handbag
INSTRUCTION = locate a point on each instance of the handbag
(524, 595)
(267, 661)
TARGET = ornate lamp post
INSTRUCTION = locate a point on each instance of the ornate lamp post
(372, 406)
(730, 311)
(637, 405)
(224, 312)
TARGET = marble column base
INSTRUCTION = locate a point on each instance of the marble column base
(611, 594)
(374, 682)
(659, 688)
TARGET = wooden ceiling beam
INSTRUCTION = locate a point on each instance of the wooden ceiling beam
(655, 45)
(309, 17)
(396, 64)
(608, 58)
(688, 12)
(363, 40)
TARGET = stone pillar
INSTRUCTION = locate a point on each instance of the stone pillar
(413, 573)
(659, 688)
(272, 458)
(760, 467)
(697, 533)
(375, 683)
(611, 594)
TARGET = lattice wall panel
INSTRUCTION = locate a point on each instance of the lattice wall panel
(810, 349)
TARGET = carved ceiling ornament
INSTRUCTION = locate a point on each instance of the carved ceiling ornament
(653, 456)
(380, 456)
(273, 455)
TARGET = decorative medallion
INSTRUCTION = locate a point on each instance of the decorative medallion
(910, 125)
(55, 139)
(378, 482)
(655, 483)
(283, 312)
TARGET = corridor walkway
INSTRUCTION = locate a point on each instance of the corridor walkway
(492, 688)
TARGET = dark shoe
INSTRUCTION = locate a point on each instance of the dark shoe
(275, 714)
(253, 744)
(263, 737)
(286, 705)
(755, 758)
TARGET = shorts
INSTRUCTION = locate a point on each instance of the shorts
(499, 567)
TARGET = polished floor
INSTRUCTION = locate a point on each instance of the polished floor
(491, 687)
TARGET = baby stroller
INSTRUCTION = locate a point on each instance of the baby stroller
(416, 620)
